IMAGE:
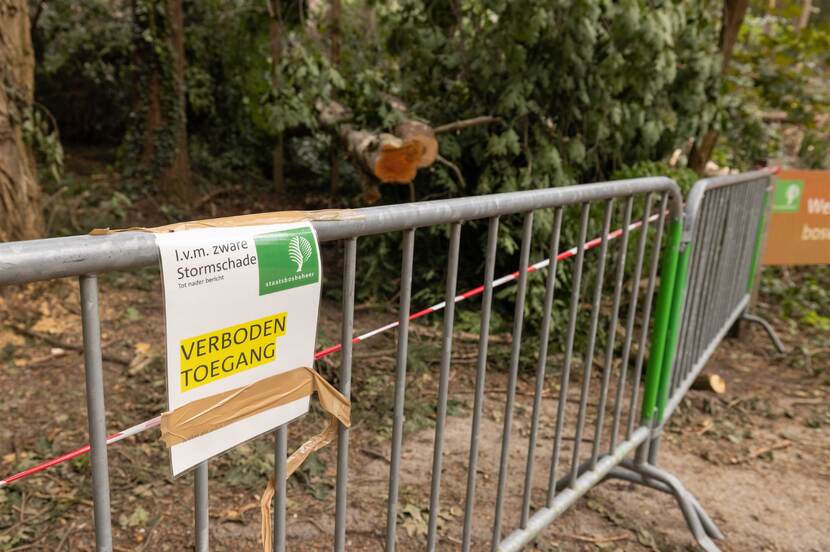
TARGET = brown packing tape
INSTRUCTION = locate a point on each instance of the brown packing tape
(210, 413)
(265, 532)
(256, 219)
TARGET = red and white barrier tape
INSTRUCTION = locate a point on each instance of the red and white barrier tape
(155, 422)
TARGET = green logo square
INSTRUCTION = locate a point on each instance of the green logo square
(787, 197)
(287, 259)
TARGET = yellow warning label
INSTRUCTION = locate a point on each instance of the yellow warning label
(222, 353)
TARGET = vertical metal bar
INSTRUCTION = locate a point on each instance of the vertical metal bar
(443, 385)
(400, 388)
(96, 412)
(631, 318)
(720, 196)
(698, 308)
(550, 288)
(349, 261)
(592, 336)
(706, 273)
(612, 332)
(484, 336)
(518, 316)
(751, 235)
(641, 347)
(573, 310)
(280, 484)
(200, 496)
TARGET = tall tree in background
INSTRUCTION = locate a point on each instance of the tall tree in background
(336, 36)
(159, 128)
(732, 18)
(20, 208)
(275, 32)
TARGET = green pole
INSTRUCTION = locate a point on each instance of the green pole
(662, 317)
(756, 254)
(678, 298)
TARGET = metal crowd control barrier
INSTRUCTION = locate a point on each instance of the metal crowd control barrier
(723, 234)
(617, 420)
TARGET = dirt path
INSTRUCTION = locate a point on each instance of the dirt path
(758, 457)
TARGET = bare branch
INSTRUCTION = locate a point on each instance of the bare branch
(467, 123)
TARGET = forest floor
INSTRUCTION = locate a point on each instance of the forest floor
(757, 457)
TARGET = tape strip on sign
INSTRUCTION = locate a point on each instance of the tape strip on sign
(257, 219)
(241, 307)
(211, 413)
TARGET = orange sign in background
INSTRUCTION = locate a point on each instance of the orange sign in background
(799, 228)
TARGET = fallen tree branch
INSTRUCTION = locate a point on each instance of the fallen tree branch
(54, 342)
(454, 168)
(390, 158)
(467, 123)
(761, 451)
(595, 540)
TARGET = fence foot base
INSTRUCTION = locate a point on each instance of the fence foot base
(768, 328)
(699, 522)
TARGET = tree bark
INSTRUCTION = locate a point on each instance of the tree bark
(162, 90)
(731, 21)
(20, 199)
(335, 10)
(175, 178)
(275, 32)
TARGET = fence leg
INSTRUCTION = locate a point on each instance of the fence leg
(280, 471)
(768, 328)
(699, 522)
(96, 412)
(200, 495)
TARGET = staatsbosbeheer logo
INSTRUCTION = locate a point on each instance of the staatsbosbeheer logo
(287, 259)
(787, 196)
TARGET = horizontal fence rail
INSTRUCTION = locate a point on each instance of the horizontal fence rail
(633, 335)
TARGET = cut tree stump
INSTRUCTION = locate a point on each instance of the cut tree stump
(710, 382)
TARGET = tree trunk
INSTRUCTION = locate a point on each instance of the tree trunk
(732, 19)
(806, 12)
(278, 154)
(160, 94)
(335, 10)
(175, 178)
(20, 204)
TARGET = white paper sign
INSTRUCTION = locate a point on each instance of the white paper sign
(241, 305)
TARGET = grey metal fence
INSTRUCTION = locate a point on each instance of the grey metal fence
(723, 233)
(607, 405)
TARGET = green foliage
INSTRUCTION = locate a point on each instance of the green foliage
(41, 134)
(777, 68)
(154, 72)
(83, 67)
(586, 91)
(584, 87)
(287, 101)
(684, 177)
(799, 294)
(39, 130)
